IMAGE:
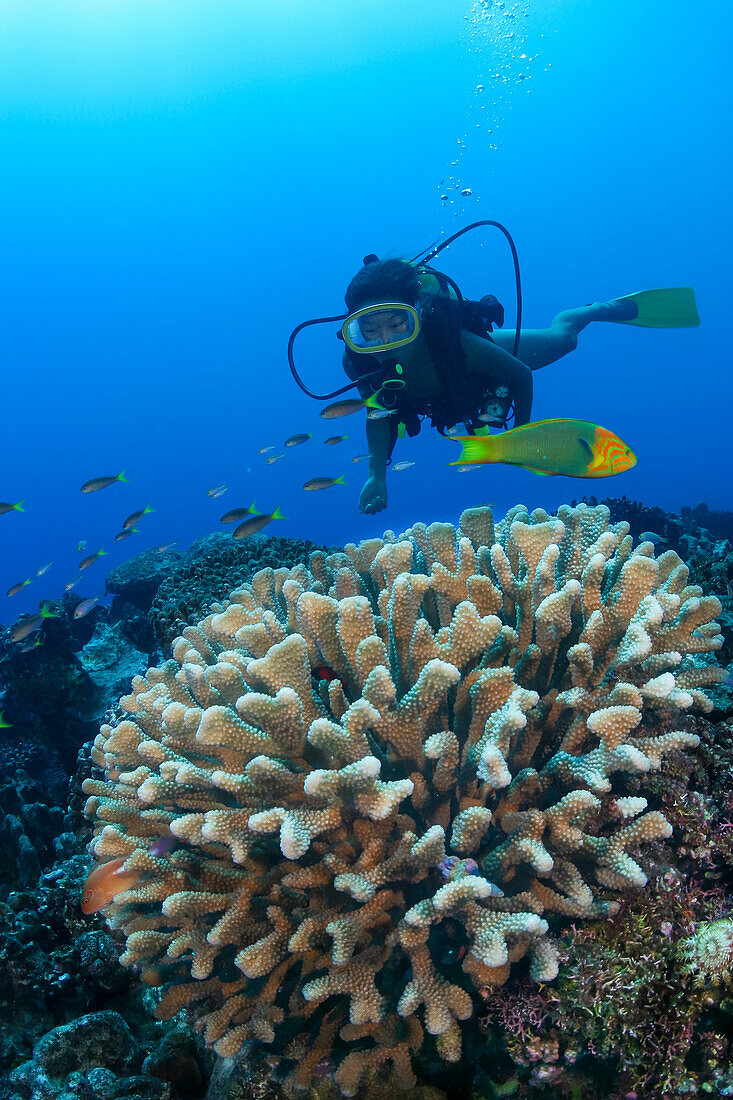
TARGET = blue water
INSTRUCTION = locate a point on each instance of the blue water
(183, 182)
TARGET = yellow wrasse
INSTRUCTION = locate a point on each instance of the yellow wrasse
(575, 448)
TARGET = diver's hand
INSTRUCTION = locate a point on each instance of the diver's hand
(373, 496)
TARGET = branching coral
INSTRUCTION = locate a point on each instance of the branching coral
(359, 856)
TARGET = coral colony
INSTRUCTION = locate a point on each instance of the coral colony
(360, 854)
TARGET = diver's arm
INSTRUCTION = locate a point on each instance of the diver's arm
(500, 368)
(377, 433)
(373, 497)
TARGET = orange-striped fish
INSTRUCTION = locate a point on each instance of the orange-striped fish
(575, 448)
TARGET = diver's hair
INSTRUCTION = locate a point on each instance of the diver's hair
(395, 280)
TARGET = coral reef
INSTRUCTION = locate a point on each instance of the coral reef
(55, 968)
(98, 1057)
(53, 965)
(708, 952)
(626, 1010)
(111, 660)
(48, 698)
(209, 570)
(696, 522)
(33, 833)
(136, 580)
(704, 539)
(388, 775)
(55, 692)
(627, 1014)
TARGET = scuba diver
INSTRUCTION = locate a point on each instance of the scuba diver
(415, 348)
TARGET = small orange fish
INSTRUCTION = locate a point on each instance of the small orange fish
(105, 882)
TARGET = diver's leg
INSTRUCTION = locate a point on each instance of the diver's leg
(539, 347)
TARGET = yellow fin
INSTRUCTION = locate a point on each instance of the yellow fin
(476, 449)
(666, 307)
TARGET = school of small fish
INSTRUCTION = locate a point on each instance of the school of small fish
(29, 624)
(571, 447)
(248, 520)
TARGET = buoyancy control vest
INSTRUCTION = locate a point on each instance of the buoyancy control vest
(462, 397)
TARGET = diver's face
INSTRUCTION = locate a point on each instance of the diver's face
(385, 326)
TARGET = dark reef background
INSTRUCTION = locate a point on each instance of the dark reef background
(628, 1018)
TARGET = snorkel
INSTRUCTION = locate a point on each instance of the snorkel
(386, 375)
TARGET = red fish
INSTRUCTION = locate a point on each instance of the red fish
(105, 882)
(325, 672)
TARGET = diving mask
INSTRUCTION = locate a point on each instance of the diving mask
(382, 326)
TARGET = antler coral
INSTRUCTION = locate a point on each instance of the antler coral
(452, 784)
